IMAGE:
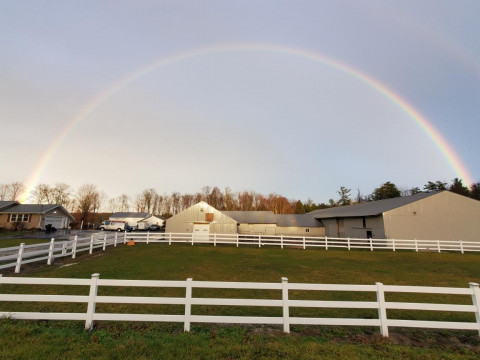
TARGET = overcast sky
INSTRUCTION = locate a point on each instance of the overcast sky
(176, 95)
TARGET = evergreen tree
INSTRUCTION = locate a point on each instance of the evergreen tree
(458, 187)
(386, 191)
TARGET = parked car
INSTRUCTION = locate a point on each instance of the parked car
(154, 227)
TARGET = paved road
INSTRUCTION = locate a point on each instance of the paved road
(58, 235)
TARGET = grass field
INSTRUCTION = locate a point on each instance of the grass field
(178, 262)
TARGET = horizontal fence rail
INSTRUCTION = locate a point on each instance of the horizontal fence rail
(24, 254)
(283, 302)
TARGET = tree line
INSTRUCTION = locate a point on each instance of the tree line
(88, 199)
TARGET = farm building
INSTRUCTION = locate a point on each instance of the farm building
(14, 215)
(428, 216)
(150, 220)
(254, 222)
(201, 218)
(299, 225)
(205, 218)
(131, 218)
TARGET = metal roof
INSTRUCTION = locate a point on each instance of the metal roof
(371, 208)
(252, 217)
(141, 215)
(301, 220)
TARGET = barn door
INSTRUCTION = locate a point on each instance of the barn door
(201, 232)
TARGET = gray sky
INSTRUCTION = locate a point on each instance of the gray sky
(176, 95)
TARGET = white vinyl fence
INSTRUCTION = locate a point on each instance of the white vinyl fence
(283, 302)
(23, 254)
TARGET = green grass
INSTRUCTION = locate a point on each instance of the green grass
(227, 263)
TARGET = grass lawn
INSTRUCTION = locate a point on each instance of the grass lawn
(228, 263)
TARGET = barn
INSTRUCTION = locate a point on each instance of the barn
(428, 216)
(201, 218)
(205, 218)
(131, 218)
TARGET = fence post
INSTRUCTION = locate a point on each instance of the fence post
(91, 245)
(259, 240)
(19, 258)
(382, 311)
(304, 242)
(461, 246)
(169, 238)
(438, 245)
(476, 302)
(281, 241)
(348, 243)
(91, 301)
(104, 241)
(326, 243)
(286, 310)
(193, 239)
(393, 243)
(214, 239)
(371, 244)
(237, 239)
(116, 238)
(50, 252)
(188, 304)
(416, 245)
(74, 247)
(64, 248)
(124, 237)
(148, 236)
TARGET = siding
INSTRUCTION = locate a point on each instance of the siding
(445, 216)
(183, 221)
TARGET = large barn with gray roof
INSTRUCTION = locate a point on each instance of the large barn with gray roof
(428, 216)
(203, 218)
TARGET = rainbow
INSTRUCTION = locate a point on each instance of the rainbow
(428, 128)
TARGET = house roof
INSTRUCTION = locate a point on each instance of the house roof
(152, 216)
(34, 209)
(371, 208)
(140, 215)
(5, 204)
(252, 217)
(301, 220)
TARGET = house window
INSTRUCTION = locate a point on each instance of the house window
(307, 230)
(19, 217)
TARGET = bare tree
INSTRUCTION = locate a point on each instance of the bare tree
(87, 199)
(42, 194)
(14, 190)
(124, 202)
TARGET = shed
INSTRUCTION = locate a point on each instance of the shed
(131, 218)
(145, 223)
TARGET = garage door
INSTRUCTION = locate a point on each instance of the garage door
(58, 222)
(201, 232)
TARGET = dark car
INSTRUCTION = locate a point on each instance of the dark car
(154, 228)
(128, 228)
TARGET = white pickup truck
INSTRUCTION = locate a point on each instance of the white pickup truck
(115, 226)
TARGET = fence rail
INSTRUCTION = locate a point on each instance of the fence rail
(24, 254)
(283, 302)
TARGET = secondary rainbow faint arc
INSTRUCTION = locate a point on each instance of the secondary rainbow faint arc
(438, 139)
